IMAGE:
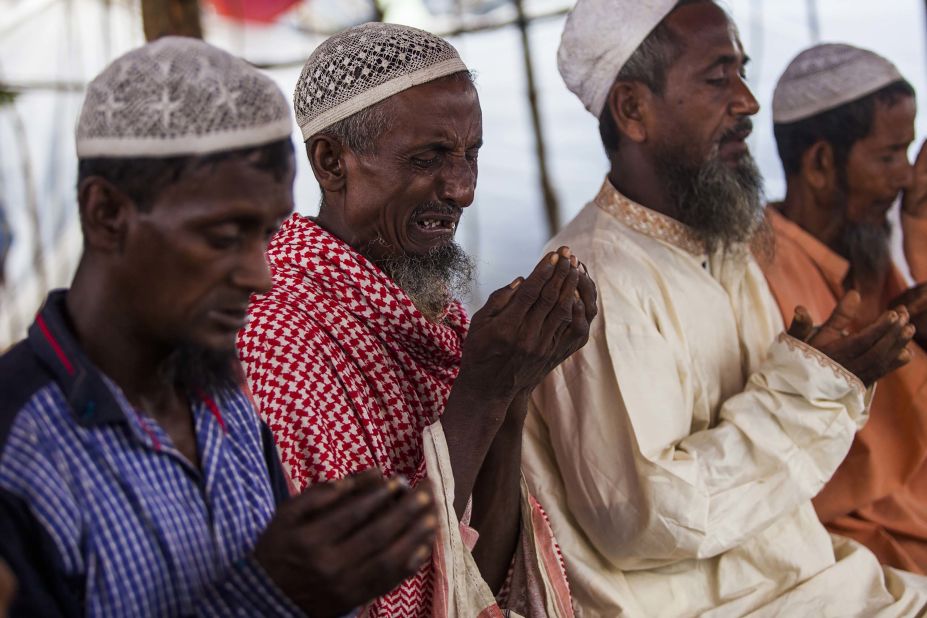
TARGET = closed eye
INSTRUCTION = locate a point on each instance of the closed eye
(425, 162)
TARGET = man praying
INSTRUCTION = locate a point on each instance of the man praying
(136, 478)
(844, 120)
(678, 451)
(361, 354)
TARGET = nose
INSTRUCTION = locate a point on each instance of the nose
(743, 102)
(458, 181)
(253, 272)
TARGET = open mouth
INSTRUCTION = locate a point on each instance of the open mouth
(436, 224)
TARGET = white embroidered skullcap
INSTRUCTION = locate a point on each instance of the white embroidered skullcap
(600, 36)
(179, 96)
(364, 65)
(827, 76)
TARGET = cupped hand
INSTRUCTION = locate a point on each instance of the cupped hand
(915, 301)
(871, 353)
(340, 545)
(529, 327)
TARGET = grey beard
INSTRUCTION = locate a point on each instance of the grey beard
(867, 248)
(191, 368)
(432, 280)
(724, 206)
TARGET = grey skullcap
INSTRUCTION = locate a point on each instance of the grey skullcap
(179, 96)
(364, 65)
(599, 38)
(827, 76)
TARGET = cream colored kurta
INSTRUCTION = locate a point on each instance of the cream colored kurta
(677, 453)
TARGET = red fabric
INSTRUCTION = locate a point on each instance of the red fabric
(347, 372)
(265, 11)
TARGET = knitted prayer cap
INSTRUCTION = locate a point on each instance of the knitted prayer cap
(364, 65)
(179, 96)
(827, 76)
(599, 38)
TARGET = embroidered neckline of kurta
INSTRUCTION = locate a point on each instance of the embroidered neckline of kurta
(648, 222)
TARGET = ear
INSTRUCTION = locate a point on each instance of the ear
(326, 156)
(627, 103)
(105, 212)
(818, 166)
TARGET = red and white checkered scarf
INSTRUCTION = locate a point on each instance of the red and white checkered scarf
(347, 372)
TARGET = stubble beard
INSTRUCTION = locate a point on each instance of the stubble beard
(192, 368)
(865, 246)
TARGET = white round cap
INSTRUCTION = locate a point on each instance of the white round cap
(179, 96)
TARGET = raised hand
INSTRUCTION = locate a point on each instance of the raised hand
(529, 327)
(870, 354)
(915, 301)
(914, 200)
(339, 545)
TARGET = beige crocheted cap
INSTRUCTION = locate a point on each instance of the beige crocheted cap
(179, 96)
(827, 76)
(364, 65)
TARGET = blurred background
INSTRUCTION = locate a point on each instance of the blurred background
(541, 161)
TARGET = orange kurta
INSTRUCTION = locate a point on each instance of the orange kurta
(879, 494)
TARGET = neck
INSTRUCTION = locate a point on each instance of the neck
(331, 219)
(637, 179)
(115, 345)
(802, 208)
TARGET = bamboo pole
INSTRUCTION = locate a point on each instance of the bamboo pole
(171, 18)
(814, 21)
(551, 205)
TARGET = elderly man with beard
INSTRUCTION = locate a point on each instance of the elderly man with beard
(844, 120)
(361, 353)
(136, 478)
(677, 452)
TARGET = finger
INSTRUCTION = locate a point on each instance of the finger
(802, 324)
(323, 496)
(916, 299)
(888, 324)
(588, 294)
(579, 326)
(562, 312)
(905, 357)
(527, 291)
(415, 509)
(499, 299)
(402, 559)
(356, 510)
(535, 319)
(881, 357)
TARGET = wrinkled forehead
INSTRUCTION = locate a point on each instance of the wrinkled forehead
(449, 106)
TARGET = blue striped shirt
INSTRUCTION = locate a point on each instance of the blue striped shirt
(100, 515)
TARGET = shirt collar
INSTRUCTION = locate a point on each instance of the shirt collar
(833, 267)
(648, 222)
(52, 340)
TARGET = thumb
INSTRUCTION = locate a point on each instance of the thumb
(840, 322)
(802, 325)
(499, 299)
